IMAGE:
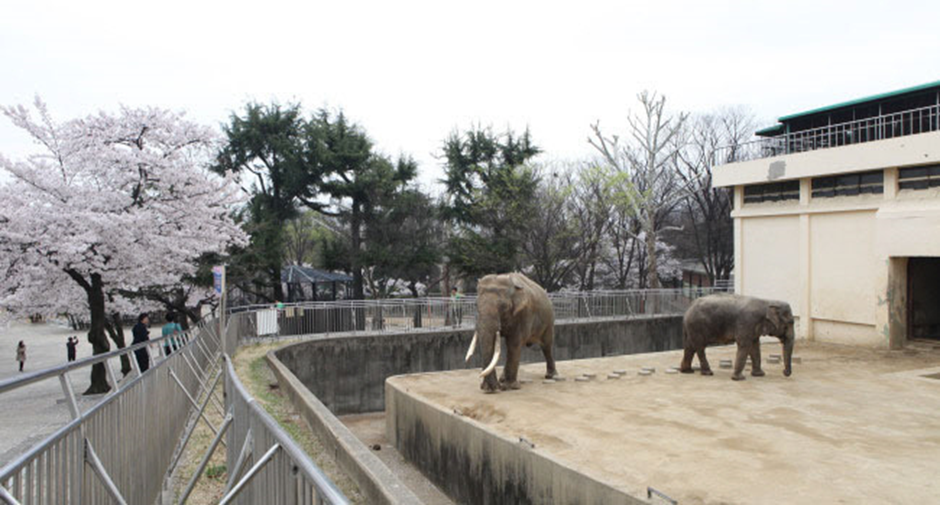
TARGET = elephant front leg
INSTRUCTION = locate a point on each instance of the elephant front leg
(756, 370)
(510, 379)
(490, 384)
(739, 360)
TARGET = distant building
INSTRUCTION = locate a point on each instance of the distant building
(837, 211)
(694, 274)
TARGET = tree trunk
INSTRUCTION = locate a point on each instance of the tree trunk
(652, 269)
(276, 283)
(115, 329)
(96, 335)
(355, 225)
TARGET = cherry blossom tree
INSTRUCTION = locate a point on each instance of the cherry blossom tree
(109, 202)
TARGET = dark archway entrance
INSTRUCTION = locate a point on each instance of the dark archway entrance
(923, 298)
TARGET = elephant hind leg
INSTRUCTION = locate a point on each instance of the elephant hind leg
(550, 371)
(686, 366)
(546, 343)
(703, 362)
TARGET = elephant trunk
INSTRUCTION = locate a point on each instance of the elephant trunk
(788, 350)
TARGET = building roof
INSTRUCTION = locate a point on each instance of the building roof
(295, 274)
(692, 265)
(778, 128)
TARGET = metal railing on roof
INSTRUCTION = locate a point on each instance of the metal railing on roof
(886, 126)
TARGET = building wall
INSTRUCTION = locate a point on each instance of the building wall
(840, 262)
(771, 255)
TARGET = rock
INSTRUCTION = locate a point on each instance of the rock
(613, 376)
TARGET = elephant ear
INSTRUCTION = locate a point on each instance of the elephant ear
(773, 321)
(520, 296)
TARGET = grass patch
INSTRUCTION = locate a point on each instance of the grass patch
(259, 380)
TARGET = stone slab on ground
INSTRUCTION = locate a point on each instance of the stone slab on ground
(850, 425)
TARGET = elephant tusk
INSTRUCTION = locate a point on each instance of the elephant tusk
(492, 366)
(473, 347)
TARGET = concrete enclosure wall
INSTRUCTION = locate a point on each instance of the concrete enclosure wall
(475, 465)
(348, 373)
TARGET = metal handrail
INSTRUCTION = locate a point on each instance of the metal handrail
(859, 131)
(85, 460)
(17, 382)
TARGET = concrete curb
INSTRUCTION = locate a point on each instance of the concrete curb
(377, 483)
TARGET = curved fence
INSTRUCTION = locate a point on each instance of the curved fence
(119, 450)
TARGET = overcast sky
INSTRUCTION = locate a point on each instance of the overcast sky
(411, 72)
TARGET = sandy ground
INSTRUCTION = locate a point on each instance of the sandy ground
(370, 428)
(29, 414)
(850, 426)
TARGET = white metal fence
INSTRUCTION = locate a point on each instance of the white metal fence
(413, 314)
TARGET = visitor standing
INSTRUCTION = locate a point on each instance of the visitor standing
(21, 354)
(171, 328)
(142, 334)
(70, 346)
(456, 309)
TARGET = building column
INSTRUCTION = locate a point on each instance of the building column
(891, 318)
(738, 242)
(806, 267)
(891, 183)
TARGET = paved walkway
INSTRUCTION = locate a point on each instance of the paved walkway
(29, 414)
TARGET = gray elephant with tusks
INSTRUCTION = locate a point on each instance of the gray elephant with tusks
(517, 309)
(724, 319)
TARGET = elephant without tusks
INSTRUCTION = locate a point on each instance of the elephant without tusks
(724, 318)
(514, 307)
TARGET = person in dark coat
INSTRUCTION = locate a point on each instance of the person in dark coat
(21, 354)
(142, 334)
(70, 346)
